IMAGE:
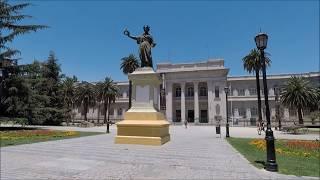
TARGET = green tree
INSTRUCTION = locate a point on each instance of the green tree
(85, 97)
(53, 110)
(299, 94)
(112, 95)
(16, 101)
(252, 64)
(68, 89)
(99, 98)
(10, 27)
(128, 65)
(107, 92)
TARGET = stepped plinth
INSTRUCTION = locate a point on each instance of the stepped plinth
(143, 123)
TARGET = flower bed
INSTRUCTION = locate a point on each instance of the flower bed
(296, 157)
(292, 147)
(30, 136)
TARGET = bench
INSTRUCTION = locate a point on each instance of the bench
(294, 129)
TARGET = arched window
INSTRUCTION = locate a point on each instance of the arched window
(218, 109)
(178, 92)
(203, 91)
(190, 92)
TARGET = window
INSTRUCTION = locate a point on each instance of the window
(190, 92)
(242, 112)
(253, 91)
(120, 112)
(218, 109)
(203, 91)
(254, 111)
(178, 92)
(216, 91)
(241, 92)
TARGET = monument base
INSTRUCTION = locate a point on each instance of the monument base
(143, 123)
(145, 128)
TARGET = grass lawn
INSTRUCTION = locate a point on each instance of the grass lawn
(296, 157)
(16, 136)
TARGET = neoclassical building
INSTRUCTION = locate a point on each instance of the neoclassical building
(195, 92)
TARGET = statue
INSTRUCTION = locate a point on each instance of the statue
(146, 43)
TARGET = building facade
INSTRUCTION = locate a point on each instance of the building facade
(195, 92)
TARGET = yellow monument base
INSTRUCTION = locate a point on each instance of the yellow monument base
(143, 123)
(145, 128)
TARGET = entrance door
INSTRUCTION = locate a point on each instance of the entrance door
(178, 116)
(203, 116)
(190, 115)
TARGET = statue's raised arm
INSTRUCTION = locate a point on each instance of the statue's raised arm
(146, 42)
(127, 33)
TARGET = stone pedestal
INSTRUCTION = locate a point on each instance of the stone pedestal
(143, 123)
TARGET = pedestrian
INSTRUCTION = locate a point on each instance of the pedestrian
(186, 124)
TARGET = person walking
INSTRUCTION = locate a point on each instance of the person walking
(186, 124)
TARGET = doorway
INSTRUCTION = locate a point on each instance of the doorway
(191, 116)
(203, 116)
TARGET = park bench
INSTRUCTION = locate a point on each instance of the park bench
(293, 129)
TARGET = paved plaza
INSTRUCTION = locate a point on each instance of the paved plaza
(193, 153)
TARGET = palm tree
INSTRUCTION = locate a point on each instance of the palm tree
(252, 63)
(128, 65)
(85, 97)
(98, 89)
(107, 92)
(111, 97)
(68, 90)
(298, 94)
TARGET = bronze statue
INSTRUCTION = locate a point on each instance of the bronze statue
(146, 43)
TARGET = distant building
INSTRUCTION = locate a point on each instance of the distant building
(195, 91)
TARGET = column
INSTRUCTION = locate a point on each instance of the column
(183, 102)
(210, 102)
(248, 113)
(159, 97)
(115, 113)
(169, 101)
(123, 111)
(196, 102)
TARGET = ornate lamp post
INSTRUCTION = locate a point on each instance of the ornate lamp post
(226, 90)
(261, 42)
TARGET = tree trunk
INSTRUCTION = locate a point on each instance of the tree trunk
(98, 113)
(72, 117)
(108, 131)
(300, 115)
(85, 113)
(130, 93)
(105, 112)
(259, 96)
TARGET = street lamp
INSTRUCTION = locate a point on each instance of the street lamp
(271, 165)
(226, 90)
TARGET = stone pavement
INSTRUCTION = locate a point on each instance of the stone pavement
(193, 153)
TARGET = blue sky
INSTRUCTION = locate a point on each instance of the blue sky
(87, 36)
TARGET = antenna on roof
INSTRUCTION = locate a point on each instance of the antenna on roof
(260, 29)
